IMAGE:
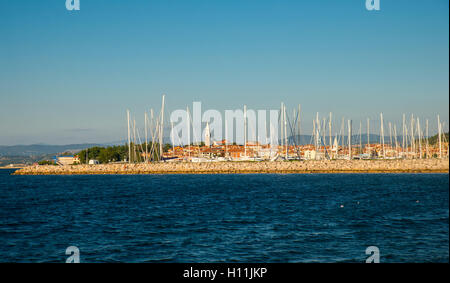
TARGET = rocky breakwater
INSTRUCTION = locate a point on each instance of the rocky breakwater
(313, 166)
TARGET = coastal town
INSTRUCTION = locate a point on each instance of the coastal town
(223, 157)
(254, 151)
(411, 149)
(214, 151)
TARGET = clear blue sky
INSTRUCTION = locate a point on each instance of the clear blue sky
(68, 77)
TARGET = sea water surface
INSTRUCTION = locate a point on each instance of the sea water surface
(225, 218)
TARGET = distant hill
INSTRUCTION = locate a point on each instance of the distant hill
(373, 138)
(27, 154)
(41, 149)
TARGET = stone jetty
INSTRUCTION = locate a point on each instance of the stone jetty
(312, 166)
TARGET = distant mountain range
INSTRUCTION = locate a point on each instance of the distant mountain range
(45, 149)
(42, 149)
(373, 138)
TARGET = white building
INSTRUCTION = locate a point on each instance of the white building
(67, 160)
(309, 154)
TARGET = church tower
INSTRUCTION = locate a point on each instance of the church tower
(207, 136)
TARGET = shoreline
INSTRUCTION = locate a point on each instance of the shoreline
(295, 167)
(241, 173)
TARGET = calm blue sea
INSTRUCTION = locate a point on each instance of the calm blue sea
(225, 218)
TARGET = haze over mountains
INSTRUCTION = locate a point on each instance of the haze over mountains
(40, 149)
(22, 154)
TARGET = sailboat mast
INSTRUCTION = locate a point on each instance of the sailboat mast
(413, 144)
(146, 137)
(129, 137)
(285, 130)
(134, 140)
(245, 130)
(317, 134)
(426, 133)
(281, 126)
(226, 138)
(439, 136)
(188, 131)
(161, 132)
(419, 133)
(314, 134)
(329, 133)
(342, 135)
(360, 137)
(324, 131)
(390, 134)
(396, 142)
(403, 134)
(368, 136)
(299, 130)
(152, 134)
(382, 134)
(350, 139)
(173, 141)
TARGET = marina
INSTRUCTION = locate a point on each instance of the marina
(282, 152)
(284, 141)
(282, 138)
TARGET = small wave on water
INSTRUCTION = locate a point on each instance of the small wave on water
(225, 218)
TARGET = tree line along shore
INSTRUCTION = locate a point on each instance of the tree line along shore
(310, 166)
